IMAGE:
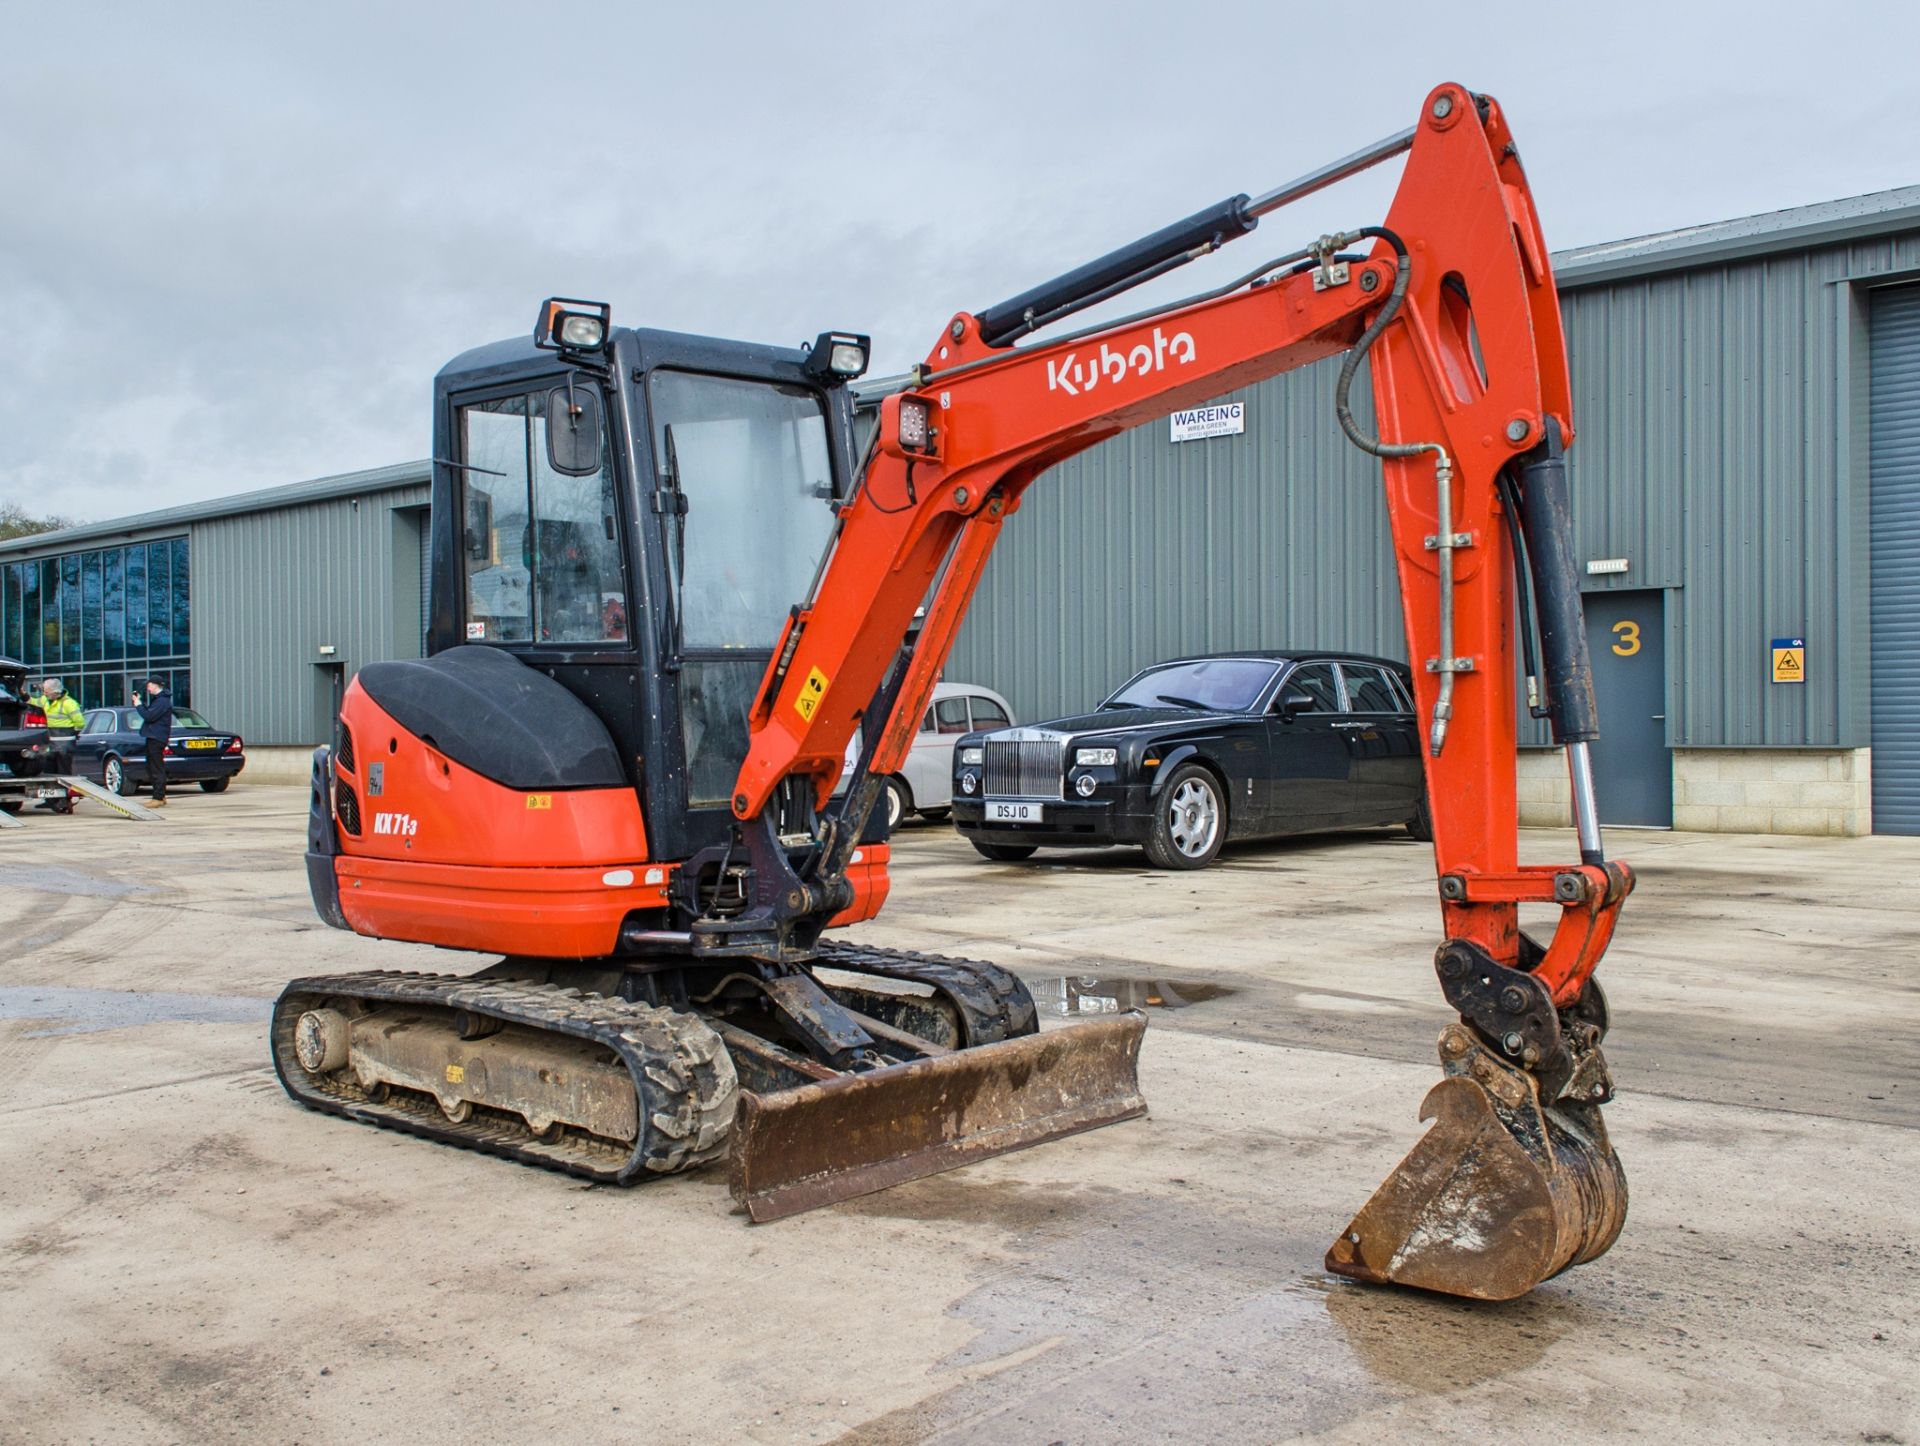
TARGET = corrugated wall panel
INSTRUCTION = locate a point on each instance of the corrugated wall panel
(1141, 549)
(270, 587)
(1895, 423)
(1717, 450)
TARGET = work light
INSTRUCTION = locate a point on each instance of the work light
(838, 356)
(569, 325)
(915, 424)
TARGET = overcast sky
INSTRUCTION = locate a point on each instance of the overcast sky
(236, 241)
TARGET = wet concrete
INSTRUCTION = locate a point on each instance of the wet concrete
(51, 1010)
(186, 1256)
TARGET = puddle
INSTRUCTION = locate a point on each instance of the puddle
(1070, 994)
(86, 1011)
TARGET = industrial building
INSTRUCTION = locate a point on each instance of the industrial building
(1746, 481)
(256, 608)
(1747, 485)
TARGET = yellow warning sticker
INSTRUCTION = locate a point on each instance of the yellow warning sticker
(456, 1074)
(539, 800)
(1789, 660)
(812, 692)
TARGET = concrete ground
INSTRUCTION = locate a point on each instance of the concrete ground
(186, 1256)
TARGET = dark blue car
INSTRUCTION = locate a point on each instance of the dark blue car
(110, 751)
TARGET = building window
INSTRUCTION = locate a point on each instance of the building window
(101, 619)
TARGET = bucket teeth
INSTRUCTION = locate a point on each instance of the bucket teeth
(797, 1149)
(1500, 1194)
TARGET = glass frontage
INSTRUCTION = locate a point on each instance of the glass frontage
(101, 619)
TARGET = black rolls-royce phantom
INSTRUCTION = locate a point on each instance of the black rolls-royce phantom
(1189, 754)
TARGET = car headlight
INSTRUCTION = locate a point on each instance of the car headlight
(1084, 785)
(975, 756)
(1097, 757)
(969, 782)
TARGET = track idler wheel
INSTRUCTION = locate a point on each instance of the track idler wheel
(1500, 1194)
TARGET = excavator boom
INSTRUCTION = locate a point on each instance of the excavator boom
(1452, 303)
(584, 778)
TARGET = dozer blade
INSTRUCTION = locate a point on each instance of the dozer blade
(816, 1144)
(1499, 1195)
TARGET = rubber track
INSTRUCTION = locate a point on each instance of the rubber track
(681, 1071)
(993, 1002)
(690, 1081)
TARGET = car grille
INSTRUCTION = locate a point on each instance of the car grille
(1024, 769)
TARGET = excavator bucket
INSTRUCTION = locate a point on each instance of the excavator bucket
(816, 1144)
(1500, 1194)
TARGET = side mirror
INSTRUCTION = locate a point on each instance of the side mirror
(1295, 702)
(573, 431)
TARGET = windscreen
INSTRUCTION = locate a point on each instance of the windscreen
(1215, 685)
(751, 460)
(752, 463)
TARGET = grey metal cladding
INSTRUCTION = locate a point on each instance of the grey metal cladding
(1720, 420)
(270, 587)
(1895, 424)
(1141, 549)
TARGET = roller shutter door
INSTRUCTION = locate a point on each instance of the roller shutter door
(1895, 461)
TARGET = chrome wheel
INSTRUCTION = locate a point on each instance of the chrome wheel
(1193, 818)
(115, 777)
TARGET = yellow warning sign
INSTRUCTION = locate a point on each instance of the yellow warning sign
(539, 800)
(1789, 660)
(811, 693)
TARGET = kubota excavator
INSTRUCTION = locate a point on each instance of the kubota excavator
(617, 767)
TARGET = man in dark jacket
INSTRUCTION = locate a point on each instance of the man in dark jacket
(156, 727)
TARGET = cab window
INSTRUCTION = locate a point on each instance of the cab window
(540, 551)
(1317, 681)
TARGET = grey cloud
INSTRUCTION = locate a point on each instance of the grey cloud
(240, 239)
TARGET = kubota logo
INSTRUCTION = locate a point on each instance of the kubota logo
(401, 825)
(1073, 376)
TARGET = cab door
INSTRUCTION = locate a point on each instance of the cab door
(1307, 743)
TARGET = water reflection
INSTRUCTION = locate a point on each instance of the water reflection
(1071, 994)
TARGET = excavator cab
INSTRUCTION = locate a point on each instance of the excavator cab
(634, 519)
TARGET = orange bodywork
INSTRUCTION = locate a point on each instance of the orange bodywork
(443, 855)
(1000, 417)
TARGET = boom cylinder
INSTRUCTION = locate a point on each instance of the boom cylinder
(1225, 221)
(1547, 515)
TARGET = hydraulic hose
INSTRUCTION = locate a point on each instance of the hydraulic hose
(1446, 664)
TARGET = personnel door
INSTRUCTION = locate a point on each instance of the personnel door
(1308, 752)
(1632, 767)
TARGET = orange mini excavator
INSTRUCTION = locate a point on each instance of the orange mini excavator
(623, 765)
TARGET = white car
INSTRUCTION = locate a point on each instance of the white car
(925, 784)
